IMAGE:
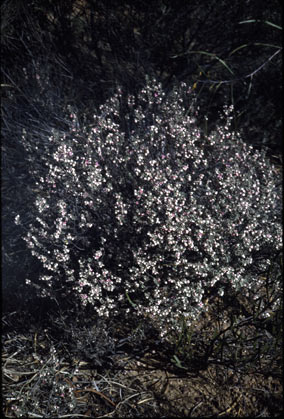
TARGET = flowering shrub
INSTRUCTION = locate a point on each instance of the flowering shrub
(141, 208)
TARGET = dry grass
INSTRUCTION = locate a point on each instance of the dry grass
(72, 365)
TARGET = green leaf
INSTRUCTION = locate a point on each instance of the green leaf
(131, 302)
(267, 22)
(237, 49)
(267, 45)
(225, 65)
(247, 21)
(176, 361)
(210, 54)
(273, 25)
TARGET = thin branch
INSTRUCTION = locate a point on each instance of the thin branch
(242, 77)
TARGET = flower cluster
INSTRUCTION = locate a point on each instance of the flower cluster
(141, 206)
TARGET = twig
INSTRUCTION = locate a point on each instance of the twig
(92, 390)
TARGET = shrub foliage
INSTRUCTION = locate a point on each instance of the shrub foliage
(141, 210)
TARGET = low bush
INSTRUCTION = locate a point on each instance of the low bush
(140, 210)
